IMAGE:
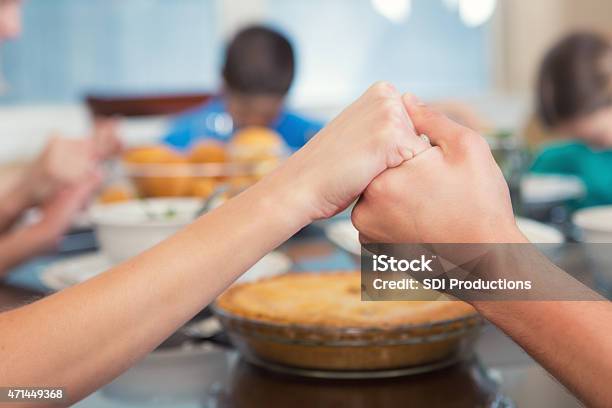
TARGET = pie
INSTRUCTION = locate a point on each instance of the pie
(317, 321)
(330, 300)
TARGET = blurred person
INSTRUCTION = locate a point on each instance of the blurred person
(258, 71)
(58, 182)
(569, 338)
(574, 98)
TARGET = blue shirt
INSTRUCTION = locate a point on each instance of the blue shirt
(211, 121)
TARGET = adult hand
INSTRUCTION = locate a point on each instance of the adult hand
(451, 193)
(333, 168)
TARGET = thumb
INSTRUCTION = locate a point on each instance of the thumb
(441, 130)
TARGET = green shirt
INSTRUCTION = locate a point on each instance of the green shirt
(593, 167)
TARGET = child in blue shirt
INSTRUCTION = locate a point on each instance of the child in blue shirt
(257, 75)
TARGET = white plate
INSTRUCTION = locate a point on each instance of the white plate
(67, 272)
(595, 223)
(539, 233)
(550, 188)
(272, 264)
(343, 234)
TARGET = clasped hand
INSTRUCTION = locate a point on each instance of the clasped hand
(409, 191)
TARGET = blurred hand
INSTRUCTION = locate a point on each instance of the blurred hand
(67, 161)
(106, 140)
(451, 193)
(62, 162)
(335, 166)
(59, 211)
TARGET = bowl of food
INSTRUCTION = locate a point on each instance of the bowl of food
(316, 324)
(127, 228)
(160, 171)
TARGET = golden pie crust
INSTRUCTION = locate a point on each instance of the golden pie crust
(332, 300)
(318, 322)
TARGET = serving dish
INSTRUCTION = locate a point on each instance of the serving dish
(381, 345)
(128, 228)
(161, 171)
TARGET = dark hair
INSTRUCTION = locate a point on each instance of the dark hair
(259, 60)
(575, 78)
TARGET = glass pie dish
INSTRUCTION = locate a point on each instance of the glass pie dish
(346, 350)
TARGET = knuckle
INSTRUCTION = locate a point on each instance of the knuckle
(389, 112)
(382, 89)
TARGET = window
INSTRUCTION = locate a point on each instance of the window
(344, 45)
(69, 47)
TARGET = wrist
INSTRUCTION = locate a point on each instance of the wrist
(285, 199)
(502, 232)
(512, 235)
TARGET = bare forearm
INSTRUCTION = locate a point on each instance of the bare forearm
(18, 246)
(569, 338)
(13, 202)
(126, 312)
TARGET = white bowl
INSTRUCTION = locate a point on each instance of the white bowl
(595, 224)
(128, 228)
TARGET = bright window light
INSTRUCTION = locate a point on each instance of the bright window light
(476, 12)
(451, 4)
(396, 11)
